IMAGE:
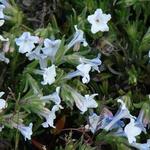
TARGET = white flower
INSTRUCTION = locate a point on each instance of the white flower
(82, 70)
(49, 116)
(51, 48)
(100, 122)
(142, 146)
(132, 131)
(123, 112)
(90, 102)
(3, 58)
(26, 42)
(93, 122)
(5, 3)
(93, 62)
(106, 117)
(3, 39)
(141, 122)
(37, 55)
(3, 103)
(99, 21)
(83, 103)
(1, 15)
(123, 105)
(77, 38)
(2, 54)
(49, 75)
(1, 128)
(53, 97)
(26, 131)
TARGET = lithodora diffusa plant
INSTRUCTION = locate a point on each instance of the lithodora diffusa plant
(60, 83)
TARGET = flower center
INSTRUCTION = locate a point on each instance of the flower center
(97, 20)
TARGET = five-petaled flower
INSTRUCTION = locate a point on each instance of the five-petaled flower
(38, 55)
(99, 21)
(26, 131)
(49, 75)
(85, 67)
(53, 97)
(100, 122)
(131, 131)
(51, 48)
(95, 62)
(26, 42)
(77, 38)
(50, 116)
(82, 70)
(84, 102)
(93, 122)
(123, 112)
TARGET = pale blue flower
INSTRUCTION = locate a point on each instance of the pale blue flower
(140, 121)
(3, 103)
(122, 113)
(2, 54)
(142, 146)
(131, 131)
(1, 94)
(48, 74)
(93, 122)
(100, 122)
(1, 15)
(3, 58)
(1, 128)
(106, 117)
(95, 62)
(77, 38)
(82, 70)
(50, 116)
(51, 48)
(5, 3)
(26, 131)
(3, 39)
(38, 55)
(26, 42)
(53, 97)
(90, 102)
(84, 102)
(99, 21)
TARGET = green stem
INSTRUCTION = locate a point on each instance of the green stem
(17, 108)
(17, 140)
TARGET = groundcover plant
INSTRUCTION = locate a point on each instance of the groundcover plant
(74, 74)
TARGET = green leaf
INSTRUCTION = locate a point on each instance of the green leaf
(60, 53)
(33, 84)
(145, 44)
